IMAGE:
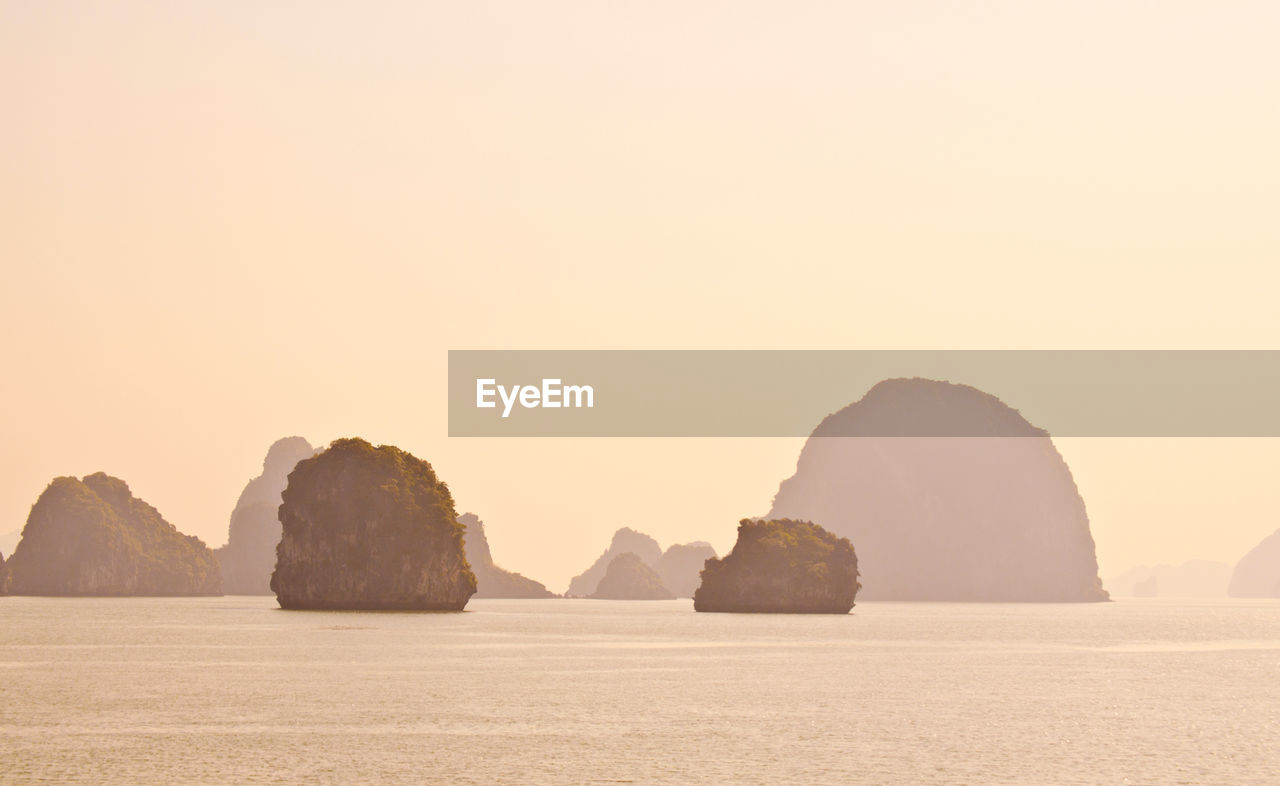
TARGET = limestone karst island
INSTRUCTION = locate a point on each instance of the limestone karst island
(372, 528)
(781, 566)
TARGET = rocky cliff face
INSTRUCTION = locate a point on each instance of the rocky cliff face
(624, 540)
(369, 528)
(4, 577)
(250, 554)
(93, 537)
(946, 518)
(1257, 575)
(628, 578)
(491, 580)
(781, 566)
(680, 567)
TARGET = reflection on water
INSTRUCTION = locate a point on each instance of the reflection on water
(233, 689)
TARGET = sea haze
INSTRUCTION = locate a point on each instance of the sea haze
(235, 690)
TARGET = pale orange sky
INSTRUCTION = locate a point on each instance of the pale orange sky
(229, 222)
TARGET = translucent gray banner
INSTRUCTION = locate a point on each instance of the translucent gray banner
(771, 393)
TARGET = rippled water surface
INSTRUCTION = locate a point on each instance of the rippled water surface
(236, 690)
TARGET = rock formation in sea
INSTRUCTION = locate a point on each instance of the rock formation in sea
(93, 537)
(4, 577)
(250, 554)
(1195, 578)
(491, 580)
(1257, 574)
(939, 512)
(781, 566)
(627, 577)
(680, 566)
(624, 540)
(366, 527)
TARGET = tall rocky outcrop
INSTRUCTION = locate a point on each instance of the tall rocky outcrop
(939, 511)
(627, 577)
(1257, 574)
(781, 566)
(250, 554)
(680, 566)
(491, 580)
(93, 537)
(624, 540)
(366, 527)
(4, 577)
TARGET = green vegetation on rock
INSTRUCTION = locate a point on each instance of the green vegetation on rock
(93, 537)
(367, 527)
(781, 566)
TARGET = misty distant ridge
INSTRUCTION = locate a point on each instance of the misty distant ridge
(677, 568)
(1195, 578)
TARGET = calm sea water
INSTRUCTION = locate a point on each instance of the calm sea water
(236, 690)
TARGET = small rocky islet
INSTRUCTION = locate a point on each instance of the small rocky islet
(781, 566)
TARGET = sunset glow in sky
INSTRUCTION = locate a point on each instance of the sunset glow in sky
(226, 223)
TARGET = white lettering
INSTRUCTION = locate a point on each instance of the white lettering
(484, 387)
(508, 402)
(578, 392)
(551, 394)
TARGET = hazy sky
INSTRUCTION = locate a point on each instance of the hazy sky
(227, 222)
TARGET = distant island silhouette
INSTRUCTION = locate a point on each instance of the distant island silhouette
(781, 566)
(94, 537)
(946, 518)
(678, 567)
(1257, 574)
(250, 553)
(373, 528)
(491, 580)
(629, 578)
(1195, 578)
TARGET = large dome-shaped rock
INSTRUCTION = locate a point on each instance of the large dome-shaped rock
(369, 528)
(491, 580)
(93, 537)
(680, 566)
(250, 554)
(781, 566)
(627, 577)
(1257, 574)
(939, 512)
(624, 540)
